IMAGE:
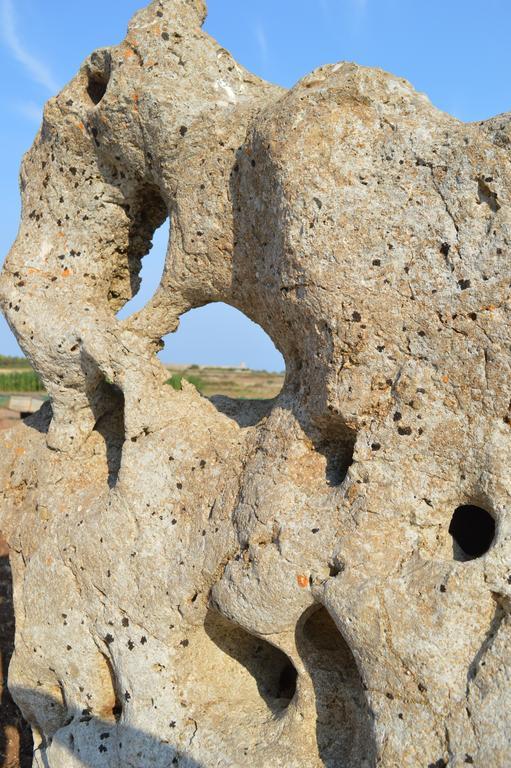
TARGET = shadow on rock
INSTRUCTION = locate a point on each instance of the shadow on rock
(87, 741)
(15, 735)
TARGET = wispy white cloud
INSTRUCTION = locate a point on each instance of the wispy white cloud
(262, 42)
(37, 70)
(31, 110)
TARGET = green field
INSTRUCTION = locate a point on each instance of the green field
(16, 375)
(20, 381)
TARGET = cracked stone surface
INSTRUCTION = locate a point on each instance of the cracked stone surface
(217, 583)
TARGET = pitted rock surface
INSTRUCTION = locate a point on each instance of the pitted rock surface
(216, 583)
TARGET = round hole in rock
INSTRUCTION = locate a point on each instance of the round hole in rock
(224, 353)
(473, 531)
(220, 335)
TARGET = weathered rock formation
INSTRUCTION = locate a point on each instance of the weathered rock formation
(321, 582)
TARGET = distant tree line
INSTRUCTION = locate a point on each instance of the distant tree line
(13, 362)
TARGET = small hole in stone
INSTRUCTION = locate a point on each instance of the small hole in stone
(117, 712)
(287, 682)
(338, 449)
(96, 88)
(98, 74)
(334, 569)
(473, 531)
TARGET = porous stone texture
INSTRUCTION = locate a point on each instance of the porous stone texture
(216, 583)
(15, 738)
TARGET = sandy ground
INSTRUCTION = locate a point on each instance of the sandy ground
(7, 418)
(232, 382)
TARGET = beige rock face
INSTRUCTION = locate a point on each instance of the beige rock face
(225, 584)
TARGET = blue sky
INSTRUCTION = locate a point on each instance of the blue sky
(457, 51)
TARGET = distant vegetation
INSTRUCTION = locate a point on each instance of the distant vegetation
(16, 375)
(176, 380)
(13, 362)
(20, 381)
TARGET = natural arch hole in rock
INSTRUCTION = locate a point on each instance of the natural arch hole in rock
(258, 671)
(222, 352)
(146, 276)
(473, 531)
(344, 727)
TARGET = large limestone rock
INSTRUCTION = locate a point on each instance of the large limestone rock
(322, 582)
